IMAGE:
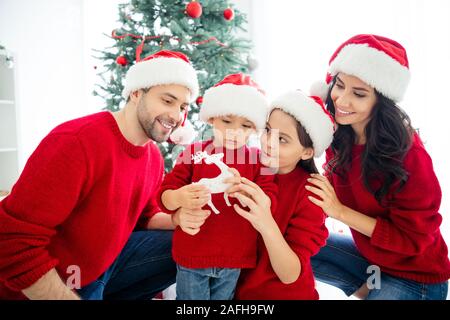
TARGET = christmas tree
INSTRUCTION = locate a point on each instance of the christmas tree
(206, 31)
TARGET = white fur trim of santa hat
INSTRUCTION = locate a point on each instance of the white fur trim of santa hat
(320, 89)
(161, 71)
(239, 100)
(312, 116)
(374, 67)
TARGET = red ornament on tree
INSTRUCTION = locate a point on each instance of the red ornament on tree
(194, 9)
(228, 14)
(199, 100)
(122, 60)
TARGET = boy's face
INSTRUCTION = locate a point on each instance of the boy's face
(231, 132)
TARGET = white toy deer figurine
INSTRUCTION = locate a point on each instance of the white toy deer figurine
(215, 185)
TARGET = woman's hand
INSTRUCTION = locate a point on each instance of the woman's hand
(253, 197)
(329, 202)
(190, 220)
(284, 261)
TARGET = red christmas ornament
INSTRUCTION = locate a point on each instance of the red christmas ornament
(228, 14)
(194, 9)
(199, 100)
(122, 60)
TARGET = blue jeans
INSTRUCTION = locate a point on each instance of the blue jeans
(341, 265)
(143, 269)
(206, 284)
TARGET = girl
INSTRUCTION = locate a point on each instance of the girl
(380, 182)
(298, 128)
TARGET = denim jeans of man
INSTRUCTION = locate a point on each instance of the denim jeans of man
(341, 265)
(207, 283)
(143, 269)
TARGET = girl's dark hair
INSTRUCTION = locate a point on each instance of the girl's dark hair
(389, 136)
(306, 142)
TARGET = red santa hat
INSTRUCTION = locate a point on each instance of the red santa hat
(312, 115)
(161, 68)
(380, 62)
(237, 94)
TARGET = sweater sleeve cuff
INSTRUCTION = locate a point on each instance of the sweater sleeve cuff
(28, 279)
(380, 235)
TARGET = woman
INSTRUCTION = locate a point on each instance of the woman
(381, 182)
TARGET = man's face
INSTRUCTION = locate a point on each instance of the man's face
(161, 110)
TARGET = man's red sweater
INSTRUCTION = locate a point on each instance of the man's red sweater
(303, 225)
(77, 201)
(226, 240)
(406, 242)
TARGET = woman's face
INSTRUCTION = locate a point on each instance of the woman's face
(353, 102)
(281, 147)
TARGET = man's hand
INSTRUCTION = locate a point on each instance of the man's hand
(50, 287)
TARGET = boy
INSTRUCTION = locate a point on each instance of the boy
(209, 263)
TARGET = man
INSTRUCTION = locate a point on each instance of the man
(69, 220)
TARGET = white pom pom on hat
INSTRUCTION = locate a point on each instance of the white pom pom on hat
(183, 135)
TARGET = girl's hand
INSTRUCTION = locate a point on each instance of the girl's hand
(329, 202)
(190, 220)
(253, 197)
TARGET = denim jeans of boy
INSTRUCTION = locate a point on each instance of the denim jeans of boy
(143, 269)
(341, 265)
(206, 284)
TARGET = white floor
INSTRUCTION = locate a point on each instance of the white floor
(327, 292)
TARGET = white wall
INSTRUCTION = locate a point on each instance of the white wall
(295, 39)
(47, 38)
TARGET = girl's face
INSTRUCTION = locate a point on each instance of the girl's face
(280, 144)
(353, 102)
(231, 132)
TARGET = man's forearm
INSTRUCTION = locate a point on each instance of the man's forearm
(50, 287)
(161, 221)
(170, 200)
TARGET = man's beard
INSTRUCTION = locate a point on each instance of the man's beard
(150, 125)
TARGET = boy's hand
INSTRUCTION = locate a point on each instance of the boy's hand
(192, 196)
